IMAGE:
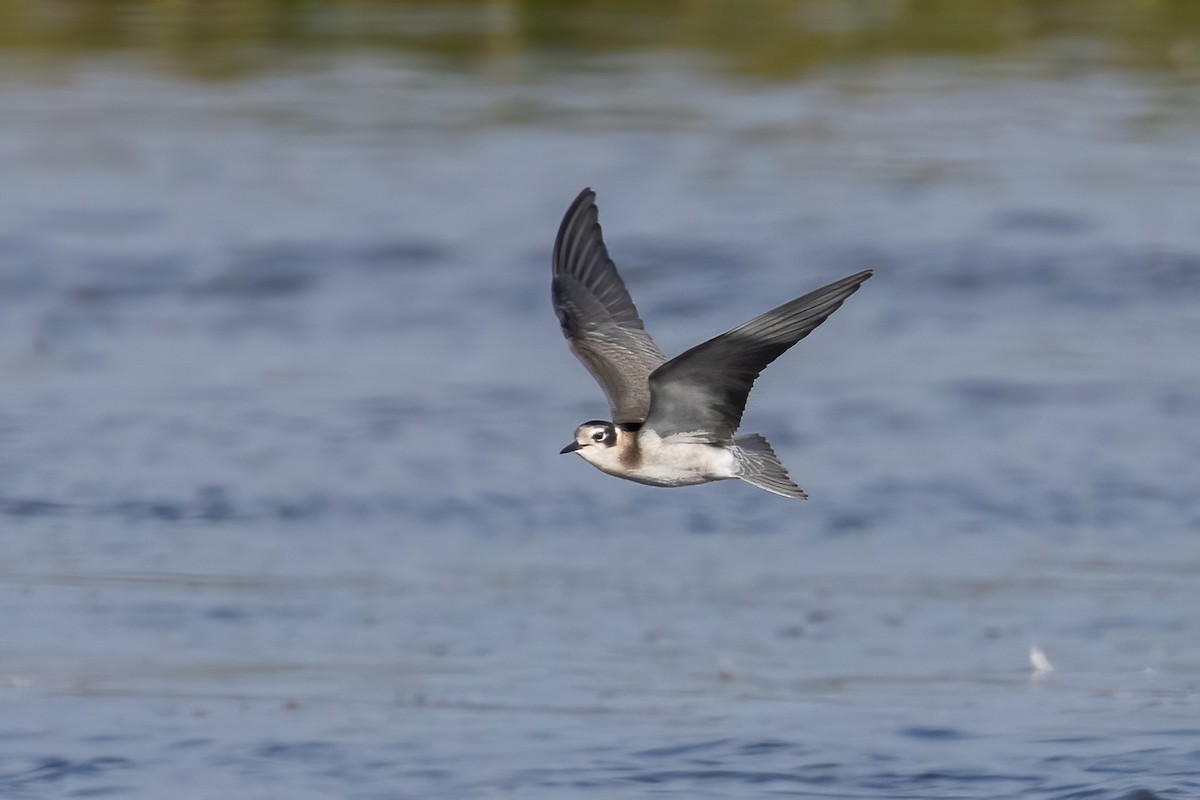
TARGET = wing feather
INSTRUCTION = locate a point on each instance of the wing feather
(703, 391)
(598, 316)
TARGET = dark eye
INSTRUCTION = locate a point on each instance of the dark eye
(598, 436)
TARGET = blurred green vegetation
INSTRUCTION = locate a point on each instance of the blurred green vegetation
(765, 38)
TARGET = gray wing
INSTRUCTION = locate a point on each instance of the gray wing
(704, 390)
(598, 316)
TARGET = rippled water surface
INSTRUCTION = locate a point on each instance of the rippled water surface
(281, 397)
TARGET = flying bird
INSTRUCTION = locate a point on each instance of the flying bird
(673, 422)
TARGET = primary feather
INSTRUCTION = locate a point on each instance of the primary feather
(598, 316)
(703, 391)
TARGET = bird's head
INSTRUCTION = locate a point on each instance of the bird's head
(591, 438)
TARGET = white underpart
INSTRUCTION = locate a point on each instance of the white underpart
(677, 460)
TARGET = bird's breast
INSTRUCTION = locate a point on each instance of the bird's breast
(663, 462)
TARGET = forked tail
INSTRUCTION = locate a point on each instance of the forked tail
(758, 465)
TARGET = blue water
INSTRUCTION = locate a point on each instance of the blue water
(281, 397)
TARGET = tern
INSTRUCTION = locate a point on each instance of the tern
(673, 422)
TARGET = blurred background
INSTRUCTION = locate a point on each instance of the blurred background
(281, 397)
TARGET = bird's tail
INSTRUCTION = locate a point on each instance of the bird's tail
(759, 466)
